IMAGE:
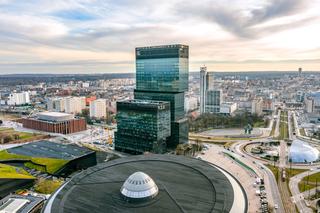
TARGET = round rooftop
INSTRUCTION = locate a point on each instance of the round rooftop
(139, 186)
(178, 184)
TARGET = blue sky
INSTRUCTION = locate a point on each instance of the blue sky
(99, 36)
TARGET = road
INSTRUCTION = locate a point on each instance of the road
(297, 197)
(270, 181)
(215, 156)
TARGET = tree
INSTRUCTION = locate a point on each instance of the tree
(7, 139)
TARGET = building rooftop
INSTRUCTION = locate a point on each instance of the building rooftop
(54, 116)
(19, 204)
(184, 185)
(47, 149)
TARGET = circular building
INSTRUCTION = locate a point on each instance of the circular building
(150, 183)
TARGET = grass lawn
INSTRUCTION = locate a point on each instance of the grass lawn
(302, 132)
(284, 133)
(274, 170)
(273, 128)
(259, 124)
(51, 165)
(306, 184)
(47, 186)
(7, 171)
(294, 172)
(11, 131)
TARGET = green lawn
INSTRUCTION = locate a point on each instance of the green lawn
(284, 133)
(306, 184)
(274, 170)
(7, 171)
(302, 132)
(12, 132)
(47, 186)
(49, 165)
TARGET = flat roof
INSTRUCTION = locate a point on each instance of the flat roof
(54, 114)
(13, 205)
(185, 185)
(19, 203)
(48, 149)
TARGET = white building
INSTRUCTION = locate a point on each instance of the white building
(190, 103)
(257, 106)
(75, 105)
(19, 98)
(56, 104)
(203, 88)
(98, 108)
(309, 102)
(228, 108)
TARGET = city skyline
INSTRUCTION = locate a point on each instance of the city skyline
(83, 36)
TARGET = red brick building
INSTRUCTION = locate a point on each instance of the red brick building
(55, 122)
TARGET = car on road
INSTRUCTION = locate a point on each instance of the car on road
(276, 206)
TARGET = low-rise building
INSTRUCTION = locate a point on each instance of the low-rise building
(55, 122)
(21, 204)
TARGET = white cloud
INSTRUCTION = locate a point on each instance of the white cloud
(98, 31)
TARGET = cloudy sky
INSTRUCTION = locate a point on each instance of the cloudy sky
(99, 36)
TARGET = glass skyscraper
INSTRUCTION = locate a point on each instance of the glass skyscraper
(155, 119)
(162, 74)
(143, 126)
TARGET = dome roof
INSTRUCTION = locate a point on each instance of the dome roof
(139, 186)
(302, 152)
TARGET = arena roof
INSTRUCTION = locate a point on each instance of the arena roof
(48, 149)
(185, 185)
(55, 116)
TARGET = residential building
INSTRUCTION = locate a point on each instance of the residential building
(75, 105)
(19, 98)
(98, 108)
(257, 106)
(56, 104)
(142, 126)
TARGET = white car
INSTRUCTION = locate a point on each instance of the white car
(276, 206)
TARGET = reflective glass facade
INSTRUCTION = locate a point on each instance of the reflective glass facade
(142, 126)
(162, 74)
(162, 68)
(176, 101)
(213, 101)
(302, 152)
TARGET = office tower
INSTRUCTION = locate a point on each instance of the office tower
(98, 108)
(213, 101)
(209, 81)
(143, 126)
(203, 88)
(162, 74)
(300, 72)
